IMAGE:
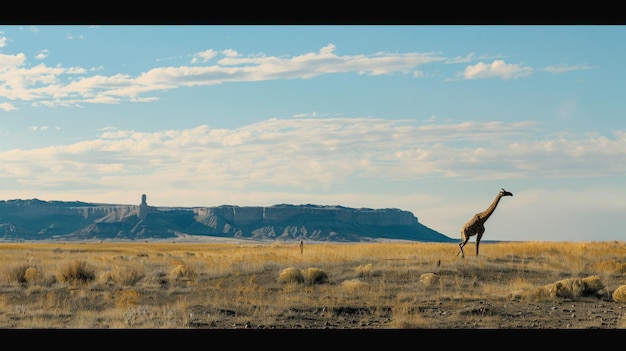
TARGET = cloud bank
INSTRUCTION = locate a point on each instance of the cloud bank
(42, 85)
(312, 153)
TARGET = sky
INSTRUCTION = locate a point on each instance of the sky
(431, 119)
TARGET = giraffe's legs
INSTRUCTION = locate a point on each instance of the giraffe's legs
(461, 250)
(478, 237)
(461, 244)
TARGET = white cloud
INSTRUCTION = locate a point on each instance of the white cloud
(203, 56)
(472, 57)
(314, 154)
(7, 106)
(3, 41)
(55, 86)
(70, 36)
(42, 128)
(563, 68)
(497, 69)
(10, 62)
(171, 58)
(42, 55)
(310, 114)
(31, 83)
(230, 53)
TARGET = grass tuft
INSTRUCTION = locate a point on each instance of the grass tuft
(77, 272)
(364, 271)
(127, 275)
(291, 275)
(314, 276)
(16, 274)
(354, 285)
(619, 295)
(183, 272)
(571, 288)
(429, 279)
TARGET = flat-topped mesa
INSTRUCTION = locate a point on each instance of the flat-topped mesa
(35, 208)
(36, 219)
(243, 216)
(107, 212)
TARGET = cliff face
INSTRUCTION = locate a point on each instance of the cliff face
(40, 220)
(242, 216)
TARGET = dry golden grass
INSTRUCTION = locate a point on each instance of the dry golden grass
(364, 271)
(570, 288)
(77, 272)
(314, 275)
(365, 285)
(291, 275)
(354, 285)
(429, 279)
(619, 294)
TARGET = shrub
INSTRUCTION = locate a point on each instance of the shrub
(183, 272)
(77, 272)
(158, 278)
(619, 295)
(127, 275)
(32, 274)
(106, 278)
(16, 273)
(290, 275)
(593, 284)
(314, 276)
(429, 279)
(364, 271)
(309, 276)
(36, 276)
(572, 287)
(127, 297)
(354, 285)
(25, 273)
(567, 288)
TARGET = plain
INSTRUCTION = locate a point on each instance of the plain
(280, 285)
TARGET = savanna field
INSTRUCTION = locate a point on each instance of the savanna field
(389, 285)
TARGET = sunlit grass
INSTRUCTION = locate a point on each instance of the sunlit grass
(183, 285)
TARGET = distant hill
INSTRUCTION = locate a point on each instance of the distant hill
(57, 220)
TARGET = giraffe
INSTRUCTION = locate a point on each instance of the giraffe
(476, 225)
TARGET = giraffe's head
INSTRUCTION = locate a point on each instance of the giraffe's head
(505, 193)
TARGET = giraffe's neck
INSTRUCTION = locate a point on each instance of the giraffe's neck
(487, 213)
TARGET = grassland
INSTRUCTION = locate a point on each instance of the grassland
(406, 285)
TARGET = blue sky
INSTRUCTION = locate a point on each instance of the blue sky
(429, 119)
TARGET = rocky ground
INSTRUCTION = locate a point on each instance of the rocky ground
(583, 313)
